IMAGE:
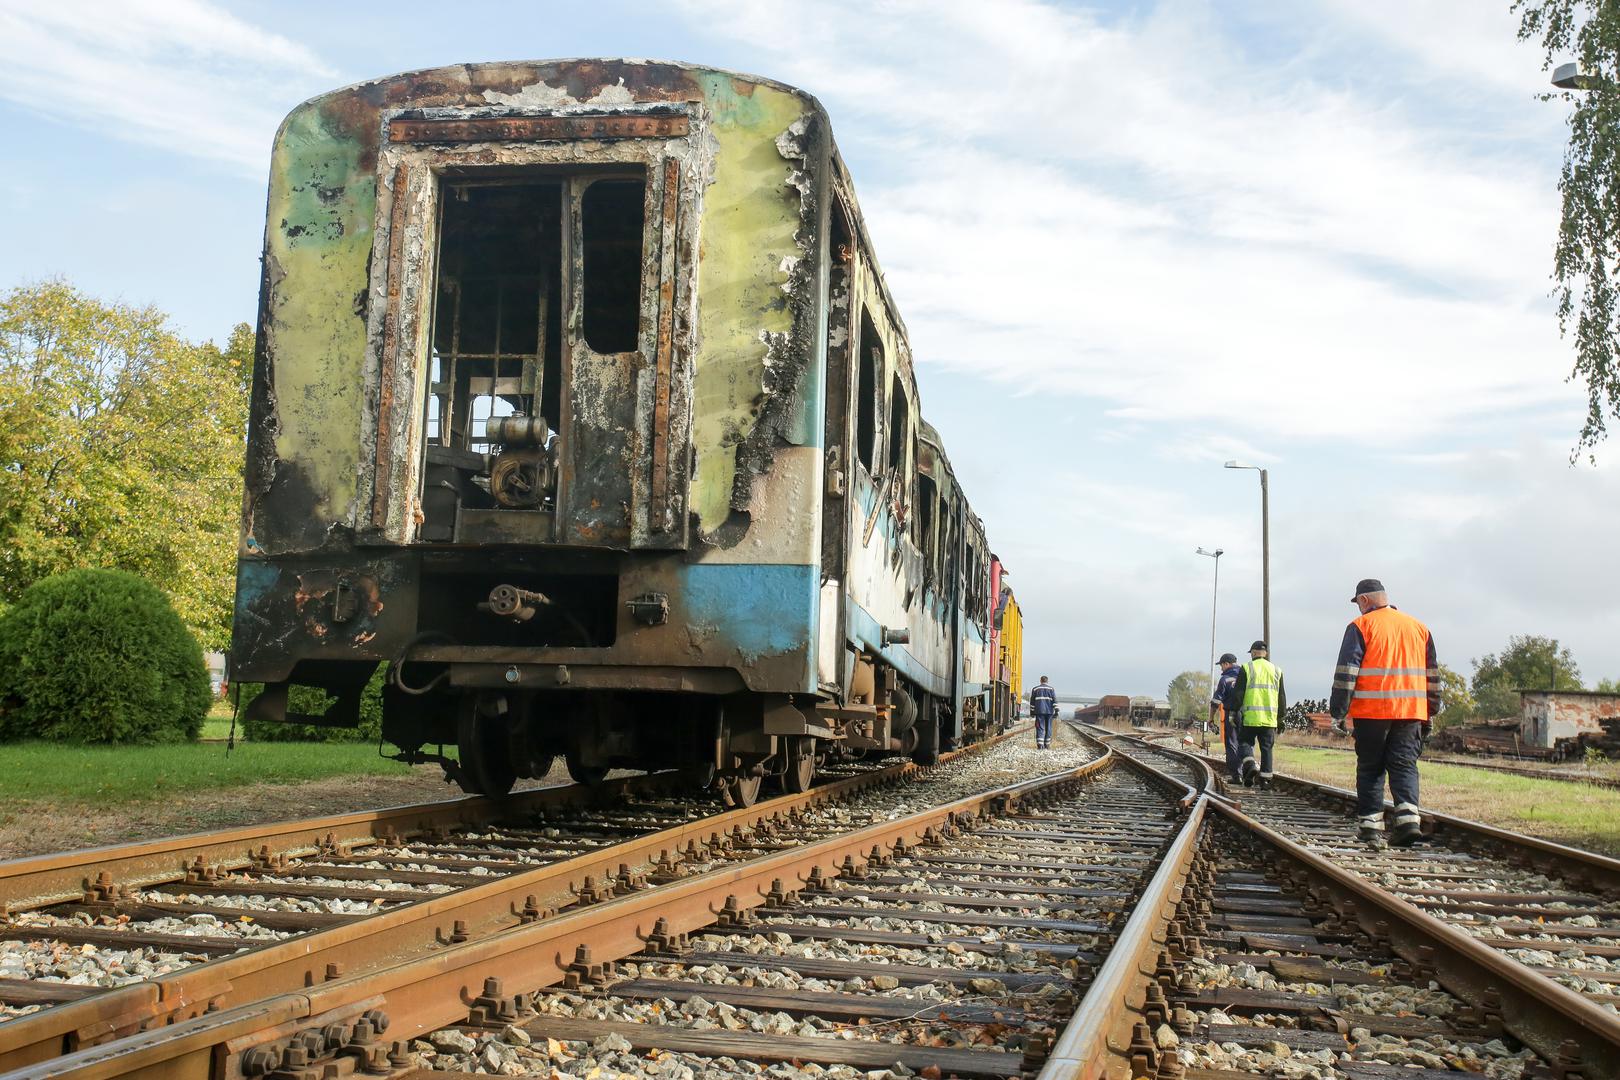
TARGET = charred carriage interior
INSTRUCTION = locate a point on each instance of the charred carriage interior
(496, 384)
(641, 477)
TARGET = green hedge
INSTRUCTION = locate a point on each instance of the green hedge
(99, 656)
(315, 702)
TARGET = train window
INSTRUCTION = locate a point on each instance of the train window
(927, 520)
(612, 219)
(495, 331)
(899, 435)
(870, 350)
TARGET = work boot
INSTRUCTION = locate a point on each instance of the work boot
(1371, 829)
(1249, 770)
(1408, 826)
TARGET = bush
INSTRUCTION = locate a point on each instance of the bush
(314, 702)
(99, 656)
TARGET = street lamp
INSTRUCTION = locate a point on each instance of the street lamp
(1571, 77)
(1265, 547)
(1216, 555)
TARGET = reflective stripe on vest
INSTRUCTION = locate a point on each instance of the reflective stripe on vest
(1261, 679)
(1392, 682)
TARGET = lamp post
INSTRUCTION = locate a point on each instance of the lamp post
(1265, 547)
(1214, 600)
(1571, 77)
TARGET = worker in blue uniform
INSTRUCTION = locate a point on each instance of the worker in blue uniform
(1226, 708)
(1043, 704)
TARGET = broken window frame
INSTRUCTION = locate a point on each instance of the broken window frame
(400, 316)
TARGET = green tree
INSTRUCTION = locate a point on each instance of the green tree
(1457, 703)
(1586, 258)
(1189, 695)
(121, 446)
(1529, 662)
(1607, 686)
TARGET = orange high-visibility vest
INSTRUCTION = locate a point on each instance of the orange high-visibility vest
(1393, 680)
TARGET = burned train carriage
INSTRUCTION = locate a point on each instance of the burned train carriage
(580, 401)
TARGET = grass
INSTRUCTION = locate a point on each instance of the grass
(1575, 814)
(113, 775)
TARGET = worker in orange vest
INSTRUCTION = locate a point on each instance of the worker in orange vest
(1388, 682)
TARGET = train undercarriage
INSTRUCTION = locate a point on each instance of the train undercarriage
(741, 745)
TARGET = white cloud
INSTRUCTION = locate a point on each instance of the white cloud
(182, 75)
(1160, 220)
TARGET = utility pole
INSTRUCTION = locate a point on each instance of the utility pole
(1265, 547)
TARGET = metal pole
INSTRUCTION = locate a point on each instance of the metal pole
(1214, 600)
(1265, 558)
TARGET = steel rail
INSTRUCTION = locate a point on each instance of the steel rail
(441, 988)
(1551, 1019)
(39, 880)
(1101, 1033)
(1575, 865)
(388, 936)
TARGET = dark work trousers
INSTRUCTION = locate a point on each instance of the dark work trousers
(1234, 744)
(1386, 746)
(1043, 728)
(1262, 737)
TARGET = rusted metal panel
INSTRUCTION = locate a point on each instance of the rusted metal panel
(658, 513)
(390, 348)
(538, 128)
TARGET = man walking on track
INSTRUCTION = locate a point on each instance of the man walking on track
(1259, 689)
(1224, 708)
(1388, 683)
(1043, 703)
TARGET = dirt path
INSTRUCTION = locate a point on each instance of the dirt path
(37, 828)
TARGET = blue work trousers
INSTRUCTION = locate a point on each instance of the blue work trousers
(1386, 747)
(1234, 745)
(1257, 743)
(1043, 729)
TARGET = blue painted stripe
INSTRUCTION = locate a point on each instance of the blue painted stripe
(759, 609)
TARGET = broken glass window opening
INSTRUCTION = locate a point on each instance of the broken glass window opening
(498, 371)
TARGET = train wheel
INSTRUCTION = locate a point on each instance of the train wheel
(741, 791)
(582, 773)
(927, 750)
(483, 752)
(801, 769)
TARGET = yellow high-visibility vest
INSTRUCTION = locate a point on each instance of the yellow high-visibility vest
(1261, 682)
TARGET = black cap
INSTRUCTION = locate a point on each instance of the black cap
(1228, 658)
(1258, 646)
(1367, 585)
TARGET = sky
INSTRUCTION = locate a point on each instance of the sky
(1130, 242)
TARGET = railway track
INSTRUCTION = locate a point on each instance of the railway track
(1553, 908)
(962, 956)
(105, 943)
(1470, 761)
(1119, 917)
